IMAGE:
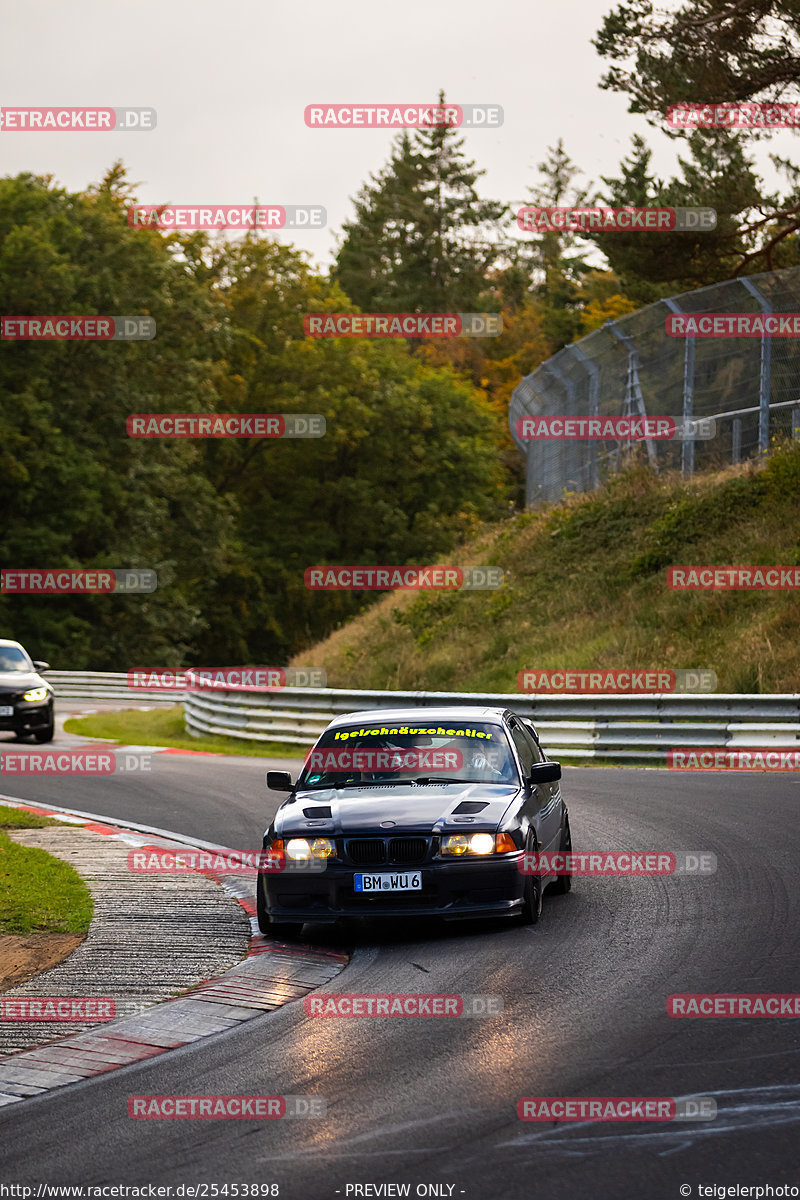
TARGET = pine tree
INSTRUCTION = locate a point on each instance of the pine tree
(422, 239)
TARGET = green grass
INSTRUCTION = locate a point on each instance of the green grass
(16, 818)
(586, 588)
(165, 727)
(39, 893)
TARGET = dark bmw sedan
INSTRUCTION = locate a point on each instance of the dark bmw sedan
(26, 699)
(414, 812)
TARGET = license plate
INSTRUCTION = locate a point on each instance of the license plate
(6, 710)
(410, 881)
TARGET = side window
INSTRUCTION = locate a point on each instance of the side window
(525, 749)
(527, 746)
(537, 750)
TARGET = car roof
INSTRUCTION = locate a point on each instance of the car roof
(492, 716)
(8, 642)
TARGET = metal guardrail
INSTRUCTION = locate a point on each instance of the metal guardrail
(613, 727)
(106, 685)
(589, 727)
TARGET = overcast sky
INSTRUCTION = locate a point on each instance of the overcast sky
(230, 83)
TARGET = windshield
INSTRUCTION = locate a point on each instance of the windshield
(12, 658)
(457, 752)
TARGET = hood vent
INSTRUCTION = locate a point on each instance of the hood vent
(312, 813)
(469, 806)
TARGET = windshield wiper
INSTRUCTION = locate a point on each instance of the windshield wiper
(440, 779)
(365, 783)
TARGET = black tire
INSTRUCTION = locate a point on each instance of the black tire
(532, 897)
(275, 929)
(261, 908)
(564, 882)
(46, 734)
(285, 931)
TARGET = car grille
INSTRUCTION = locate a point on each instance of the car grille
(397, 850)
(407, 850)
(367, 850)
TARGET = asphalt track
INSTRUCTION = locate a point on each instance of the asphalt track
(433, 1102)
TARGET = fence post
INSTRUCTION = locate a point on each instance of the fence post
(687, 446)
(766, 363)
(633, 388)
(565, 451)
(541, 463)
(736, 453)
(594, 409)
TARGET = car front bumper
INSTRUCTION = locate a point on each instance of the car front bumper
(451, 890)
(28, 717)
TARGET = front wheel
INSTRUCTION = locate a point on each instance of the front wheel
(532, 898)
(274, 929)
(284, 931)
(563, 883)
(46, 734)
(261, 908)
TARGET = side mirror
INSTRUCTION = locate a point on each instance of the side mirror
(279, 781)
(546, 772)
(41, 666)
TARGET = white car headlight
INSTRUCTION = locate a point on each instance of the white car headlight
(39, 693)
(459, 844)
(303, 848)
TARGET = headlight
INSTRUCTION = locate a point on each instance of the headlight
(36, 694)
(459, 844)
(300, 848)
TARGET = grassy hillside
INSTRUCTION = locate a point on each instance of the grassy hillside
(586, 587)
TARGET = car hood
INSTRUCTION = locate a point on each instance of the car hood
(19, 681)
(412, 808)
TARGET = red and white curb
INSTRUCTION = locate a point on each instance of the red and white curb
(272, 974)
